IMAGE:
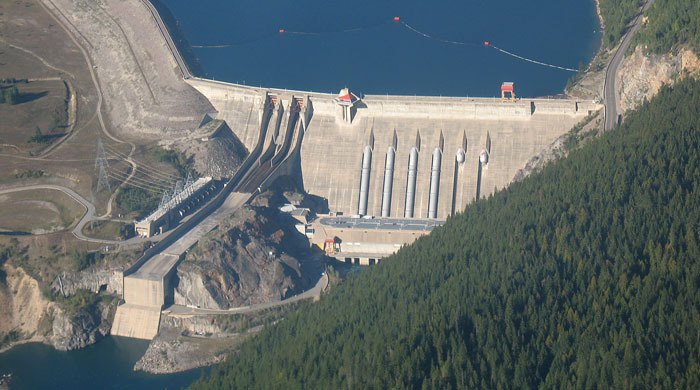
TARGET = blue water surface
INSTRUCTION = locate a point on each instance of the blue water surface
(105, 365)
(358, 44)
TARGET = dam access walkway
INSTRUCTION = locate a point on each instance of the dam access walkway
(148, 285)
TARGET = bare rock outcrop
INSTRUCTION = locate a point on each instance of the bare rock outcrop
(184, 343)
(642, 76)
(244, 262)
(22, 306)
(24, 310)
(92, 279)
(215, 149)
(82, 328)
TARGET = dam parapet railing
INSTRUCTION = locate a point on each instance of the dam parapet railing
(402, 106)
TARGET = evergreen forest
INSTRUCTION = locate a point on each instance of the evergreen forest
(585, 275)
(670, 23)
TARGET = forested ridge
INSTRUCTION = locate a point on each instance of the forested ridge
(616, 15)
(584, 275)
(670, 23)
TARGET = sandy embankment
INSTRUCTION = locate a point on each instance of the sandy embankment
(144, 94)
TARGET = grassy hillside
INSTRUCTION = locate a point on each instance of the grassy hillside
(585, 275)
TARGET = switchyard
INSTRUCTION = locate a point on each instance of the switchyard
(184, 199)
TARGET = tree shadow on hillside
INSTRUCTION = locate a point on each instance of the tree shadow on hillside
(26, 97)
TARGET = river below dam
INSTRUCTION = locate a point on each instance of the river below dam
(105, 365)
(406, 47)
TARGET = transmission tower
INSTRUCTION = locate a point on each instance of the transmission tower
(165, 199)
(101, 166)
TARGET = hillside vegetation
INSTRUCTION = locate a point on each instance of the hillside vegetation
(670, 23)
(585, 275)
(617, 14)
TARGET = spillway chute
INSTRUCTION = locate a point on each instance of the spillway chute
(434, 183)
(364, 180)
(484, 157)
(411, 182)
(388, 181)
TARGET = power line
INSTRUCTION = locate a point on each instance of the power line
(101, 166)
(152, 170)
(132, 184)
(147, 170)
(121, 176)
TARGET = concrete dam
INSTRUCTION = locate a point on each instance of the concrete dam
(391, 168)
(401, 156)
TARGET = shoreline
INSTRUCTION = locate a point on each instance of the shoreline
(184, 65)
(33, 339)
(168, 36)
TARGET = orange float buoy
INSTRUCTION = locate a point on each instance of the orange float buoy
(281, 31)
(486, 43)
(397, 19)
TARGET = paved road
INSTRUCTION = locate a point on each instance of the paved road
(381, 223)
(321, 285)
(89, 208)
(610, 89)
(87, 217)
(72, 32)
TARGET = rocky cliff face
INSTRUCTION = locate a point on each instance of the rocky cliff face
(23, 309)
(92, 279)
(642, 76)
(214, 148)
(246, 261)
(80, 329)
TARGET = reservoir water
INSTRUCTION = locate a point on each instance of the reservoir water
(435, 48)
(105, 365)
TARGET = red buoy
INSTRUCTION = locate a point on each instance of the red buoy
(486, 43)
(397, 19)
(281, 31)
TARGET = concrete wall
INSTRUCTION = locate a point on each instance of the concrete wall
(331, 153)
(144, 292)
(331, 157)
(135, 321)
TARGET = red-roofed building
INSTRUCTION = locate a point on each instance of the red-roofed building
(508, 91)
(347, 101)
